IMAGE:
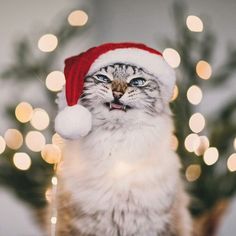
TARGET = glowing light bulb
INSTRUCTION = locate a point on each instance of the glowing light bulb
(35, 141)
(54, 180)
(48, 43)
(40, 119)
(194, 23)
(231, 162)
(48, 195)
(2, 145)
(22, 161)
(13, 138)
(54, 220)
(23, 112)
(51, 153)
(203, 145)
(197, 122)
(175, 93)
(194, 95)
(78, 18)
(174, 142)
(193, 172)
(211, 156)
(55, 81)
(203, 70)
(192, 142)
(172, 57)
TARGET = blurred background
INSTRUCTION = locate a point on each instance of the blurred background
(197, 39)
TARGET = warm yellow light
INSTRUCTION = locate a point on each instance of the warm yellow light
(172, 57)
(47, 43)
(231, 162)
(13, 138)
(192, 142)
(235, 143)
(194, 23)
(55, 81)
(40, 119)
(197, 122)
(54, 220)
(54, 180)
(35, 141)
(194, 95)
(22, 161)
(51, 153)
(2, 145)
(174, 142)
(78, 18)
(48, 195)
(57, 140)
(203, 70)
(175, 93)
(24, 112)
(203, 145)
(211, 156)
(193, 172)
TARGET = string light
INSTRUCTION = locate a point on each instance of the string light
(54, 205)
(35, 141)
(2, 145)
(194, 23)
(203, 70)
(51, 153)
(22, 161)
(203, 145)
(192, 142)
(193, 172)
(235, 143)
(13, 138)
(194, 95)
(211, 156)
(197, 122)
(48, 43)
(40, 119)
(172, 57)
(78, 18)
(48, 195)
(174, 142)
(175, 93)
(23, 112)
(55, 81)
(231, 162)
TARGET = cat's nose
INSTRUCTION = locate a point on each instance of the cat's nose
(117, 95)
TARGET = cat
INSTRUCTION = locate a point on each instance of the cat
(122, 179)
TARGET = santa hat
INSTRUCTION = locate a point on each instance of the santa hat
(75, 121)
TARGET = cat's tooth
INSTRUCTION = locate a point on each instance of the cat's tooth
(110, 106)
(124, 107)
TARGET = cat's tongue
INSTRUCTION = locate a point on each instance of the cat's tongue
(117, 106)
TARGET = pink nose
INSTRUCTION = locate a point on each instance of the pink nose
(117, 95)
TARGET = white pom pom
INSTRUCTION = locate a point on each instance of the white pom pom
(73, 122)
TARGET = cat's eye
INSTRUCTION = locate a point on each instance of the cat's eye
(137, 82)
(102, 78)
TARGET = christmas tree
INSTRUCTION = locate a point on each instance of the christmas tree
(205, 144)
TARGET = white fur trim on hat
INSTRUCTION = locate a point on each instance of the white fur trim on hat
(73, 122)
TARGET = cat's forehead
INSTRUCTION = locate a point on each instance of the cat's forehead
(121, 71)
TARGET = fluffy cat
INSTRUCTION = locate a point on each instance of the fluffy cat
(122, 179)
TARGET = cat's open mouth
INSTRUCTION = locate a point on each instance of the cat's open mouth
(116, 105)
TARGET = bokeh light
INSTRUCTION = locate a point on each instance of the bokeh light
(2, 145)
(35, 141)
(55, 81)
(231, 162)
(48, 195)
(22, 161)
(23, 112)
(211, 156)
(40, 119)
(57, 140)
(13, 138)
(172, 57)
(197, 122)
(192, 142)
(235, 143)
(193, 172)
(54, 180)
(175, 93)
(78, 18)
(194, 95)
(203, 145)
(174, 142)
(53, 220)
(51, 153)
(48, 43)
(203, 70)
(194, 23)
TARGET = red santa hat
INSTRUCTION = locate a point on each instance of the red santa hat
(75, 120)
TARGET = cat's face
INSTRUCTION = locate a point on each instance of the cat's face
(118, 92)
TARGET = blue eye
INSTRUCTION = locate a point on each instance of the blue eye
(137, 82)
(102, 78)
